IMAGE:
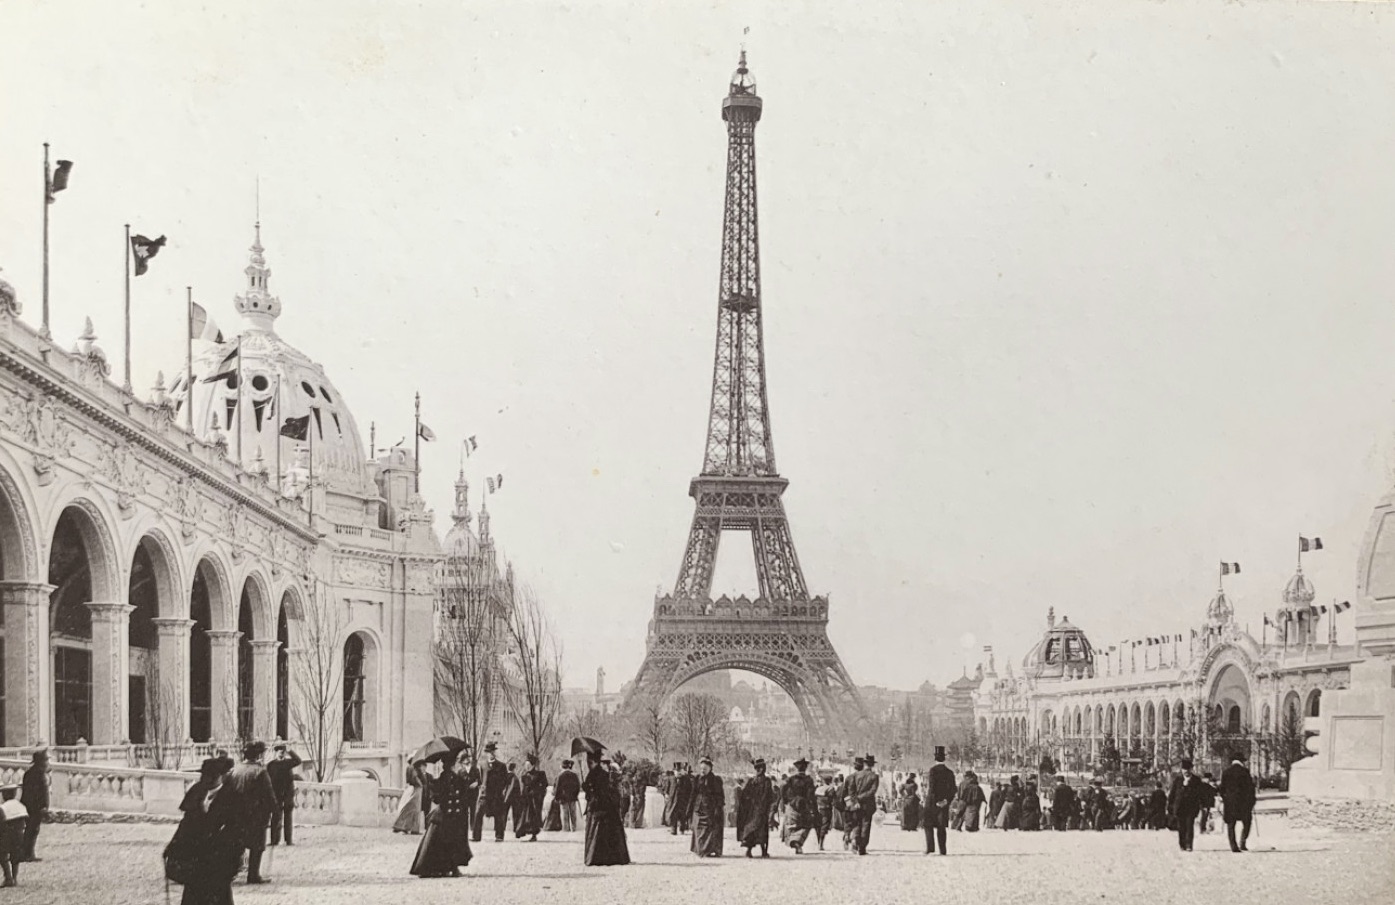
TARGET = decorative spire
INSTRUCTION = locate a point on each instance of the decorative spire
(257, 304)
(461, 513)
(485, 539)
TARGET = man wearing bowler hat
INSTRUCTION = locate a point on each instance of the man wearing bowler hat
(939, 792)
(1237, 800)
(1184, 804)
(494, 794)
(250, 787)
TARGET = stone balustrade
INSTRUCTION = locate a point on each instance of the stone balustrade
(317, 802)
(388, 801)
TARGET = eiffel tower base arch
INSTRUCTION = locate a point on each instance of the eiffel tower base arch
(800, 659)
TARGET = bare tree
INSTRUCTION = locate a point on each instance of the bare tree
(699, 724)
(533, 691)
(468, 636)
(317, 674)
(653, 729)
(162, 730)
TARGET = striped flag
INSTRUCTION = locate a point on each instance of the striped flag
(1230, 568)
(494, 483)
(1306, 545)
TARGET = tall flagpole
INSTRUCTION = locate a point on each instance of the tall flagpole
(276, 422)
(310, 487)
(126, 383)
(416, 456)
(188, 358)
(238, 405)
(48, 177)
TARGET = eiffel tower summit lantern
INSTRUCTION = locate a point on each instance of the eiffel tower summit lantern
(782, 633)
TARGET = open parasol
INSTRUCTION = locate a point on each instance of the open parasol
(584, 745)
(438, 748)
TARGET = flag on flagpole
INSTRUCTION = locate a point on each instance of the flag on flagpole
(470, 445)
(1230, 568)
(58, 181)
(1342, 607)
(425, 432)
(201, 326)
(489, 482)
(143, 250)
(1306, 545)
(228, 367)
(296, 428)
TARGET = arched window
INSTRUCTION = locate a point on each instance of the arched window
(1232, 723)
(355, 682)
(1315, 703)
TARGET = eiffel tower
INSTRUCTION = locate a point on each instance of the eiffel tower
(782, 634)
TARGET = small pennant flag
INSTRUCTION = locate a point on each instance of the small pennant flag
(296, 428)
(495, 483)
(143, 250)
(470, 445)
(1230, 568)
(1323, 608)
(1306, 545)
(425, 432)
(1266, 619)
(59, 180)
(1179, 639)
(1342, 607)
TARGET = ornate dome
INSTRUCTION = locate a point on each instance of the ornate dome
(1299, 592)
(278, 382)
(1219, 611)
(1063, 651)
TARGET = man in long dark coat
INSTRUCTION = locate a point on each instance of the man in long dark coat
(995, 805)
(282, 773)
(939, 791)
(250, 785)
(1062, 804)
(825, 798)
(754, 803)
(1237, 800)
(33, 794)
(493, 789)
(1157, 808)
(707, 812)
(665, 788)
(682, 800)
(533, 793)
(862, 802)
(1184, 804)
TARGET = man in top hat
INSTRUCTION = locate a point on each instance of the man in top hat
(495, 787)
(34, 795)
(282, 773)
(845, 806)
(1237, 800)
(1184, 804)
(754, 805)
(861, 795)
(567, 792)
(250, 788)
(1062, 804)
(680, 817)
(939, 792)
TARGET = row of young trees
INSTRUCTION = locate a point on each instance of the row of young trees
(689, 726)
(496, 659)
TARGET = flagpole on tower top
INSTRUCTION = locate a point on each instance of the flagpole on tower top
(416, 454)
(126, 383)
(188, 357)
(48, 194)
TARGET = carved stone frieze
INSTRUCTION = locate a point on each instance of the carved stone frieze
(361, 572)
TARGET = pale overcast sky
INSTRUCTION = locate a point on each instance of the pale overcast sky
(1065, 302)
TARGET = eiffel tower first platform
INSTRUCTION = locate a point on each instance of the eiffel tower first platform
(783, 633)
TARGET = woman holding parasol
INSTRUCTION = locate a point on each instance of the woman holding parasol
(605, 821)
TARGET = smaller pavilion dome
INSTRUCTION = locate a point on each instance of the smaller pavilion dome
(1063, 651)
(1299, 592)
(1220, 611)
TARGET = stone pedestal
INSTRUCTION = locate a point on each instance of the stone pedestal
(653, 807)
(111, 671)
(28, 683)
(264, 688)
(1356, 739)
(358, 799)
(222, 656)
(172, 695)
(163, 792)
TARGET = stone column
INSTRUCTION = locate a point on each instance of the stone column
(173, 676)
(264, 688)
(222, 655)
(28, 681)
(111, 668)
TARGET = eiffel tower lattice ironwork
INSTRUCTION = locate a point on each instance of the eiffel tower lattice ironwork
(782, 634)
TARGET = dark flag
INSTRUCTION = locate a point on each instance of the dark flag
(143, 250)
(1342, 607)
(425, 432)
(1230, 568)
(1305, 545)
(59, 180)
(227, 367)
(296, 428)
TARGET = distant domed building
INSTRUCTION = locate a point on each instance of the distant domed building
(1148, 698)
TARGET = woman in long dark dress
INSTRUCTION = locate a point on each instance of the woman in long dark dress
(208, 837)
(708, 812)
(605, 820)
(446, 846)
(910, 804)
